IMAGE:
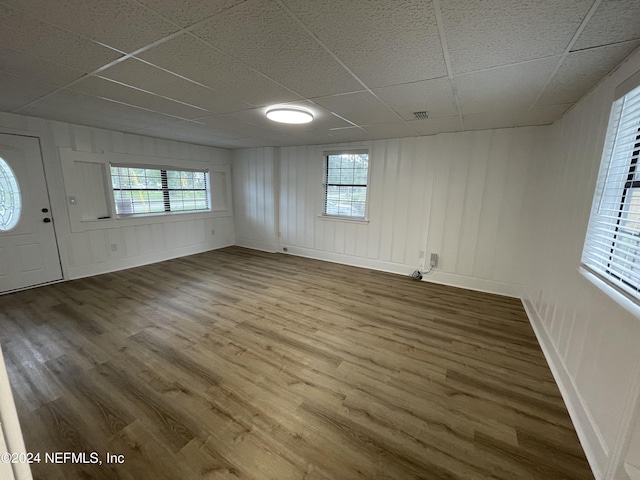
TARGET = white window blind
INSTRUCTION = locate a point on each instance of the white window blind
(144, 190)
(612, 244)
(345, 184)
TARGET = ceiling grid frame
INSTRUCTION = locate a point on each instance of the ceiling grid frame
(567, 50)
(539, 112)
(337, 59)
(447, 59)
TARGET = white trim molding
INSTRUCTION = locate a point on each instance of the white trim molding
(588, 432)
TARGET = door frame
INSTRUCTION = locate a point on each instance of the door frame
(39, 136)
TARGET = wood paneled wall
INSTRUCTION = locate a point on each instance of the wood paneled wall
(255, 198)
(592, 342)
(459, 195)
(91, 252)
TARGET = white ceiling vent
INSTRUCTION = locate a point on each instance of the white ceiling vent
(423, 115)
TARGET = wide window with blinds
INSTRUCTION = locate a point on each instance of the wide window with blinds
(139, 191)
(345, 184)
(612, 244)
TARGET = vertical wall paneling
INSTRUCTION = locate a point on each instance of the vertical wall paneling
(590, 339)
(390, 171)
(493, 185)
(442, 158)
(415, 216)
(455, 201)
(425, 182)
(82, 138)
(377, 154)
(119, 245)
(301, 208)
(255, 198)
(402, 205)
(478, 153)
(459, 195)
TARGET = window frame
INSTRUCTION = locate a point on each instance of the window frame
(630, 184)
(164, 189)
(610, 279)
(325, 171)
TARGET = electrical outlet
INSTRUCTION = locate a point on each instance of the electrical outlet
(434, 260)
(114, 247)
(421, 255)
(213, 232)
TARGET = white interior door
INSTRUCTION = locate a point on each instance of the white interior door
(28, 249)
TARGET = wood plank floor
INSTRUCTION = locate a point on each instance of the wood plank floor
(236, 364)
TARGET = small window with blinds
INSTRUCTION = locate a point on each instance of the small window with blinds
(345, 184)
(612, 244)
(157, 190)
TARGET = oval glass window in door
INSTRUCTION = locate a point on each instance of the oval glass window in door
(10, 198)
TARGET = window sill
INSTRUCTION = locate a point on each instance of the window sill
(159, 214)
(144, 219)
(336, 218)
(620, 299)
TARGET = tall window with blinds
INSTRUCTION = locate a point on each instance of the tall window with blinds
(140, 191)
(345, 184)
(612, 244)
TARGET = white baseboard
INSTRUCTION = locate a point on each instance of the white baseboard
(81, 271)
(257, 245)
(590, 437)
(451, 279)
(475, 283)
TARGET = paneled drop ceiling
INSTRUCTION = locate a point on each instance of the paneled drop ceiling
(203, 71)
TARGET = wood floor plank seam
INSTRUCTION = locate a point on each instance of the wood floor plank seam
(246, 365)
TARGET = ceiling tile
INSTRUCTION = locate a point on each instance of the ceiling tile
(287, 140)
(243, 142)
(349, 134)
(514, 86)
(35, 37)
(495, 119)
(121, 24)
(391, 42)
(581, 71)
(155, 80)
(432, 126)
(498, 32)
(389, 130)
(25, 78)
(323, 119)
(303, 138)
(184, 132)
(251, 49)
(19, 90)
(100, 87)
(188, 12)
(189, 57)
(360, 108)
(76, 107)
(35, 69)
(264, 36)
(545, 115)
(228, 127)
(614, 21)
(434, 96)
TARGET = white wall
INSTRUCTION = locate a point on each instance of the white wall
(255, 198)
(592, 343)
(90, 252)
(459, 195)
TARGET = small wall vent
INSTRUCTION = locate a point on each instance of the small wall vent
(423, 115)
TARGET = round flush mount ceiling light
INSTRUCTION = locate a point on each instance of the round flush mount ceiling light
(295, 115)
